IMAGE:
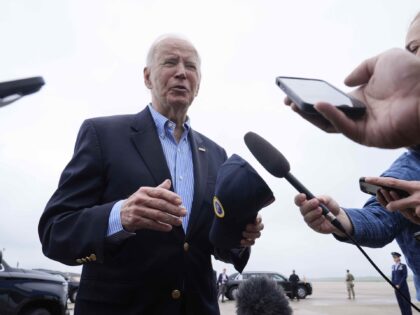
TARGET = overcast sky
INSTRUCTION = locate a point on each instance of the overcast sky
(91, 55)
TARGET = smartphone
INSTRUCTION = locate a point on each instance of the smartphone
(307, 92)
(372, 189)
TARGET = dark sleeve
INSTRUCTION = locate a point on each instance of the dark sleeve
(404, 275)
(74, 222)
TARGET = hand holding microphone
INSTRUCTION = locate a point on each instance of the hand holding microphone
(312, 214)
(323, 214)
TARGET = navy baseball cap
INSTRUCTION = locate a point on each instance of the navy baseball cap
(239, 194)
(395, 254)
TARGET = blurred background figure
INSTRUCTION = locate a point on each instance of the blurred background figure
(350, 285)
(221, 285)
(399, 278)
(262, 296)
(294, 280)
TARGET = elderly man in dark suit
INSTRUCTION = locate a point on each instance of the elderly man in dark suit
(134, 203)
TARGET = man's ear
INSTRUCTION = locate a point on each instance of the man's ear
(198, 88)
(146, 76)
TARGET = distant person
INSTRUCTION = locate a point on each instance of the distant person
(388, 86)
(294, 281)
(399, 279)
(261, 296)
(221, 284)
(350, 285)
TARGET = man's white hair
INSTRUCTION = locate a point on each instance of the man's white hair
(152, 50)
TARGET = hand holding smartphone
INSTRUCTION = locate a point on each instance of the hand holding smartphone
(372, 189)
(305, 93)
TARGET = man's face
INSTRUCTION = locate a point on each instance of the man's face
(396, 259)
(174, 75)
(413, 38)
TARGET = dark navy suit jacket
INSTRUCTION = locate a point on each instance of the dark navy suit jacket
(151, 272)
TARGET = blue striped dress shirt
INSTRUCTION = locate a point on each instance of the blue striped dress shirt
(180, 163)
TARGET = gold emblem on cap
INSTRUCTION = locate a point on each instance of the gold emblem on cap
(218, 208)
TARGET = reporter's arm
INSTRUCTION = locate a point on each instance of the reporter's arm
(373, 226)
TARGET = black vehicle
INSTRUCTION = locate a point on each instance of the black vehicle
(30, 292)
(73, 280)
(304, 288)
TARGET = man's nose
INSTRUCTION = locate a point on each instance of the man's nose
(181, 70)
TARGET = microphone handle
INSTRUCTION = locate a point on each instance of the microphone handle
(325, 211)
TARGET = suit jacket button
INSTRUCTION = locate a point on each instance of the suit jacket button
(176, 294)
(78, 260)
(186, 247)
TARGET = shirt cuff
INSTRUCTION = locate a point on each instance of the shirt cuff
(115, 230)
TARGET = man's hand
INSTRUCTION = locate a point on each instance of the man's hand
(409, 207)
(312, 214)
(389, 86)
(153, 208)
(252, 232)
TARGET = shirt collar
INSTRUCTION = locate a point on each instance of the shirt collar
(162, 123)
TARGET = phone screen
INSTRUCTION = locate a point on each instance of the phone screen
(314, 91)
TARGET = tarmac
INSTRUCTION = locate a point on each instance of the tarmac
(330, 298)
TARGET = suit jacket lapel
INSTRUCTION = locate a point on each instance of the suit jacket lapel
(200, 160)
(147, 143)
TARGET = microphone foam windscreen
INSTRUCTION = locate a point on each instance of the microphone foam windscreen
(268, 156)
(262, 296)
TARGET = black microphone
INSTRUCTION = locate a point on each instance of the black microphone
(11, 91)
(277, 165)
(261, 296)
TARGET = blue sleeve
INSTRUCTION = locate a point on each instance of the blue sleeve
(116, 232)
(114, 222)
(374, 226)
